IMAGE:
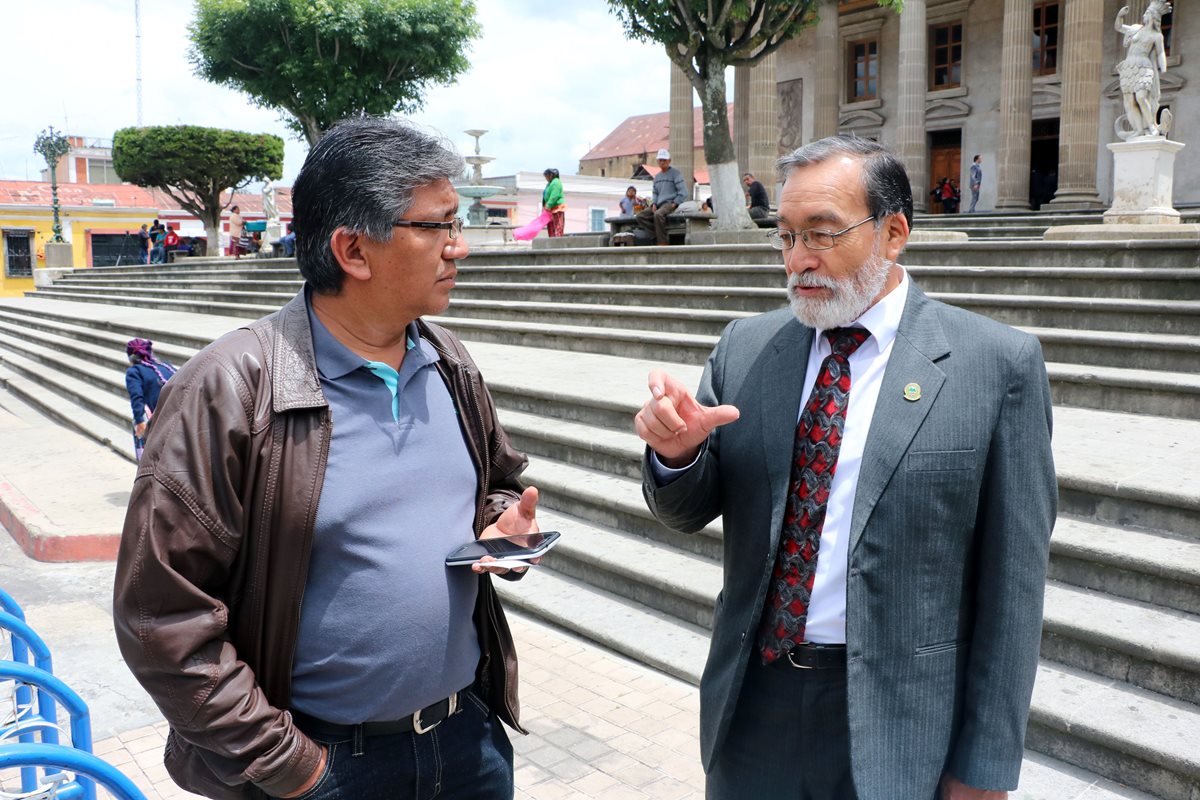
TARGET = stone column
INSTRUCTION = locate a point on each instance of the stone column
(1016, 105)
(1079, 120)
(764, 124)
(682, 141)
(911, 147)
(742, 135)
(829, 91)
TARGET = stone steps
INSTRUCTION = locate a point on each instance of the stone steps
(1130, 735)
(1151, 391)
(1147, 566)
(1091, 342)
(978, 253)
(1166, 284)
(73, 403)
(1122, 604)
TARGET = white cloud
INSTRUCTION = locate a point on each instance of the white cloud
(546, 84)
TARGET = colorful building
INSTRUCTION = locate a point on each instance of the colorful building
(100, 221)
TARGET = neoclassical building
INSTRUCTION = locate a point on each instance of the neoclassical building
(1030, 85)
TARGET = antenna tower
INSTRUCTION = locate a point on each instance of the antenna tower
(137, 49)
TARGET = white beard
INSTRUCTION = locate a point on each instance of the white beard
(850, 298)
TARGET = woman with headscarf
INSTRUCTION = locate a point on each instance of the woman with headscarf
(552, 201)
(144, 379)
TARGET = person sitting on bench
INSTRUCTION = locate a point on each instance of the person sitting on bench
(669, 192)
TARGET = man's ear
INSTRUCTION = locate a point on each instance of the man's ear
(347, 250)
(895, 236)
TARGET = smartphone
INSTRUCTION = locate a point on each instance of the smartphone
(522, 546)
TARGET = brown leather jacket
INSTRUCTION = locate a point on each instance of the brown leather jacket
(214, 554)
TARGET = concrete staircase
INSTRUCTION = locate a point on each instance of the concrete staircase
(1009, 226)
(1118, 693)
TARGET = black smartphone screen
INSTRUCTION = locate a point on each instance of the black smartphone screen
(518, 545)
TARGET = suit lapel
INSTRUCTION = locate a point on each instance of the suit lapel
(919, 342)
(781, 380)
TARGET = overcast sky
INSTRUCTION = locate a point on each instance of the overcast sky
(547, 81)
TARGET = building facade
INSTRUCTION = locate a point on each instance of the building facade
(100, 221)
(636, 141)
(1030, 85)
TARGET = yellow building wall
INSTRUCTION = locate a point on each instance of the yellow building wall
(80, 222)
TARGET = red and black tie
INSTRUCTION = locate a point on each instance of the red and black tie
(814, 462)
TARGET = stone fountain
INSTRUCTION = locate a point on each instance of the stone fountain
(476, 190)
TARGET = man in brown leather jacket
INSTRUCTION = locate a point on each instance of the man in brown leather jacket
(281, 591)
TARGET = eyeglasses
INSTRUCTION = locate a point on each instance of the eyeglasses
(813, 238)
(454, 226)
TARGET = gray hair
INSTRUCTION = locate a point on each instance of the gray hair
(361, 176)
(883, 176)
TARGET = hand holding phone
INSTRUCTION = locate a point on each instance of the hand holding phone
(520, 548)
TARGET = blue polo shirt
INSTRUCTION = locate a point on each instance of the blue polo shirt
(385, 627)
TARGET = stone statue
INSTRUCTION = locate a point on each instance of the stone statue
(270, 210)
(1145, 59)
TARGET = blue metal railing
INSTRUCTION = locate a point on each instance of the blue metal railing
(30, 739)
(43, 719)
(87, 768)
(23, 696)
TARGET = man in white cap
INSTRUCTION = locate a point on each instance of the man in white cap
(669, 192)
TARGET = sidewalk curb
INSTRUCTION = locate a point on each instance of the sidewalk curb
(42, 540)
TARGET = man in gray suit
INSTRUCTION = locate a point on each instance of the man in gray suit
(877, 635)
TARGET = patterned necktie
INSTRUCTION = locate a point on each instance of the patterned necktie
(814, 462)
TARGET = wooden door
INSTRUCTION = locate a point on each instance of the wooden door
(945, 161)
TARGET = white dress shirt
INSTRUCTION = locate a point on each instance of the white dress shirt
(827, 607)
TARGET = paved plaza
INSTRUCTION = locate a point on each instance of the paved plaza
(600, 724)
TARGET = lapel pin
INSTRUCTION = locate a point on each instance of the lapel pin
(912, 392)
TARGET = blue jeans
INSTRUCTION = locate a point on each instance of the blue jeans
(467, 756)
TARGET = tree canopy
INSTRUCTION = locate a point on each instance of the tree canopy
(702, 38)
(195, 165)
(320, 61)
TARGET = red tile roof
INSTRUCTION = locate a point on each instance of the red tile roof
(37, 193)
(646, 133)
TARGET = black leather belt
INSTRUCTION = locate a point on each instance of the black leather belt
(816, 656)
(422, 721)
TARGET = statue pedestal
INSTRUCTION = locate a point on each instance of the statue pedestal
(1143, 178)
(59, 256)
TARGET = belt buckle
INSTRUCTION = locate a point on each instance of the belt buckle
(452, 706)
(794, 664)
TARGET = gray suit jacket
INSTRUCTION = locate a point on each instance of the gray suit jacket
(949, 540)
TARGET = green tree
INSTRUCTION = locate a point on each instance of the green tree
(320, 61)
(196, 165)
(702, 38)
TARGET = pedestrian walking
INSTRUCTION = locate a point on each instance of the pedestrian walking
(976, 181)
(552, 201)
(237, 230)
(144, 379)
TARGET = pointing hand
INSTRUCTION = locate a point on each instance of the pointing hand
(674, 424)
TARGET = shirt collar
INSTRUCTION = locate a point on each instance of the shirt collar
(335, 360)
(883, 318)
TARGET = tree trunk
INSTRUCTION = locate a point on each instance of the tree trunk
(312, 129)
(729, 198)
(211, 218)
